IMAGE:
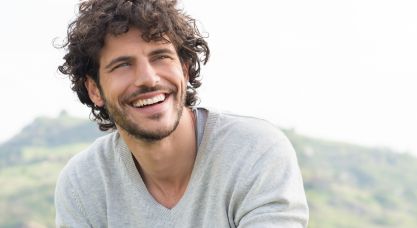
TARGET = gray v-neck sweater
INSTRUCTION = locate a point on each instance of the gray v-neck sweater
(245, 175)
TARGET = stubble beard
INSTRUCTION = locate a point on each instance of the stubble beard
(120, 117)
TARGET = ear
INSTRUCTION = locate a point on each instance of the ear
(94, 92)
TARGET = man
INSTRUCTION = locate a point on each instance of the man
(136, 64)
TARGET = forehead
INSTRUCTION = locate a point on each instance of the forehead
(134, 35)
(131, 42)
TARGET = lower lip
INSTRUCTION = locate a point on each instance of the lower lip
(154, 109)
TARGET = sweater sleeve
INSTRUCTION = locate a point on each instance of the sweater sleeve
(69, 210)
(271, 190)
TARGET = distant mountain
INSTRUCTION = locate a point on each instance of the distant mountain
(347, 185)
(48, 132)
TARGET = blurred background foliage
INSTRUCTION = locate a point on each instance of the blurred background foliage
(347, 185)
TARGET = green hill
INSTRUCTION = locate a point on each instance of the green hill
(47, 132)
(347, 185)
(354, 186)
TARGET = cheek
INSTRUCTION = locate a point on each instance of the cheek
(180, 76)
(114, 90)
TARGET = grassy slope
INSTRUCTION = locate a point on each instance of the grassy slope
(353, 186)
(26, 196)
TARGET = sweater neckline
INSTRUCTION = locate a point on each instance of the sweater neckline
(136, 180)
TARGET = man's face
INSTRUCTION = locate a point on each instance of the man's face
(143, 85)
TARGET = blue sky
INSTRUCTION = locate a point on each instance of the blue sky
(343, 70)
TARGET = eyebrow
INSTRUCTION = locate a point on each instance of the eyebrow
(117, 60)
(162, 51)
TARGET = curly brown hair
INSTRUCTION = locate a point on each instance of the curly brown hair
(154, 18)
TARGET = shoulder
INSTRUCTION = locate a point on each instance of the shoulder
(246, 128)
(246, 140)
(87, 165)
(101, 150)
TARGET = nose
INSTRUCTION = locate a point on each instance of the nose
(146, 75)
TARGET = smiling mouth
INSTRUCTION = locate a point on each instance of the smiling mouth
(141, 103)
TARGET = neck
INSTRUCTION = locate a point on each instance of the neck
(166, 165)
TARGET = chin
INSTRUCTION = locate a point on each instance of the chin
(158, 127)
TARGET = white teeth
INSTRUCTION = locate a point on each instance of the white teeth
(149, 101)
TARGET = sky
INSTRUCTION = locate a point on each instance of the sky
(339, 70)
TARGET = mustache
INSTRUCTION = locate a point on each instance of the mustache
(146, 89)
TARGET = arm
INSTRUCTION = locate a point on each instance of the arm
(271, 190)
(69, 210)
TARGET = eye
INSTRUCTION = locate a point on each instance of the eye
(162, 57)
(124, 64)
